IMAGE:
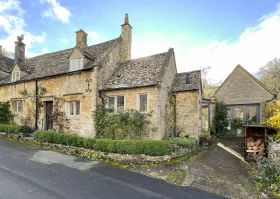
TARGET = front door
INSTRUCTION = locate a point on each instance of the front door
(48, 116)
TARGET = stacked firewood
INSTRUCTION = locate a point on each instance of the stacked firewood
(255, 147)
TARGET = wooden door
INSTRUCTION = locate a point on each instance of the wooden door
(48, 116)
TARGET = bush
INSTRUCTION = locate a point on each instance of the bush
(122, 125)
(276, 136)
(268, 175)
(5, 113)
(190, 143)
(25, 129)
(204, 136)
(7, 128)
(147, 147)
(220, 118)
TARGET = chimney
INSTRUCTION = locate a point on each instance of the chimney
(126, 37)
(81, 38)
(19, 49)
(188, 79)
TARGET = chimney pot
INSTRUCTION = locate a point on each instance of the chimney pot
(126, 21)
(81, 38)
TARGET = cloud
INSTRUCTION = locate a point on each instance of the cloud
(12, 23)
(252, 49)
(93, 36)
(56, 10)
(63, 40)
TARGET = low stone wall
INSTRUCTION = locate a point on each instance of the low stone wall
(274, 151)
(94, 155)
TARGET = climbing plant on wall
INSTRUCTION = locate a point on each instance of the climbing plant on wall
(5, 113)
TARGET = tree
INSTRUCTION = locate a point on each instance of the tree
(270, 75)
(220, 118)
(5, 114)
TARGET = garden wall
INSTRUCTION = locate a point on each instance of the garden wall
(274, 151)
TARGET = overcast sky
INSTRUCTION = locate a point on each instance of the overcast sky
(215, 33)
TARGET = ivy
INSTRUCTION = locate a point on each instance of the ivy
(5, 113)
(128, 124)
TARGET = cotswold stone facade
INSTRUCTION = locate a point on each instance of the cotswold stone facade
(69, 85)
(243, 94)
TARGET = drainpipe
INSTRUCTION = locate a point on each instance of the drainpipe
(175, 122)
(36, 104)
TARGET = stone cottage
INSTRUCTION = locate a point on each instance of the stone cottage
(69, 84)
(244, 96)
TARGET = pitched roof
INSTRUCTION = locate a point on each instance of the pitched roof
(6, 63)
(145, 71)
(54, 63)
(240, 67)
(180, 81)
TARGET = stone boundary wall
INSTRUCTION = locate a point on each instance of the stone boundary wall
(274, 151)
(94, 155)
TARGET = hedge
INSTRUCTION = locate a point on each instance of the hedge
(14, 129)
(147, 147)
(190, 143)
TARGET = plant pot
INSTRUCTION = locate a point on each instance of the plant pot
(204, 143)
(239, 131)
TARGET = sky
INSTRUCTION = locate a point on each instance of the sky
(214, 34)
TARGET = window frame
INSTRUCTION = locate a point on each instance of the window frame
(148, 102)
(115, 109)
(15, 106)
(80, 66)
(15, 77)
(74, 105)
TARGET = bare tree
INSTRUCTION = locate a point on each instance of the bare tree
(270, 75)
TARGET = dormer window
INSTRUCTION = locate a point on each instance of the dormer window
(15, 76)
(76, 64)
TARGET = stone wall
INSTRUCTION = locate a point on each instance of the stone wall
(274, 151)
(131, 100)
(164, 90)
(241, 88)
(188, 113)
(69, 87)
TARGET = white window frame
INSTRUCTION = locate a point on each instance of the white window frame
(76, 64)
(15, 76)
(17, 106)
(148, 102)
(74, 104)
(115, 102)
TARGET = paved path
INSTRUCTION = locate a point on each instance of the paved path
(28, 173)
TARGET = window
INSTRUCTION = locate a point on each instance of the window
(17, 106)
(143, 102)
(15, 76)
(74, 108)
(76, 64)
(115, 103)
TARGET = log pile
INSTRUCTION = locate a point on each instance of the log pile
(255, 148)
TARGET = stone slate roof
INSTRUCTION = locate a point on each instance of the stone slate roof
(180, 81)
(145, 71)
(54, 63)
(6, 63)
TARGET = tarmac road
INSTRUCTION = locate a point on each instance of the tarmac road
(28, 173)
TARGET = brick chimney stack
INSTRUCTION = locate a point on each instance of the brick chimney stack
(19, 49)
(81, 38)
(126, 37)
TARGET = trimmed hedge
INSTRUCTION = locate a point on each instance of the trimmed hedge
(190, 143)
(14, 129)
(147, 147)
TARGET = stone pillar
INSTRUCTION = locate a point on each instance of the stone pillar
(126, 37)
(81, 38)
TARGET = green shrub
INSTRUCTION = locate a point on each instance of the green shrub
(220, 118)
(204, 136)
(190, 143)
(25, 129)
(5, 113)
(148, 147)
(268, 175)
(8, 128)
(276, 136)
(129, 124)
